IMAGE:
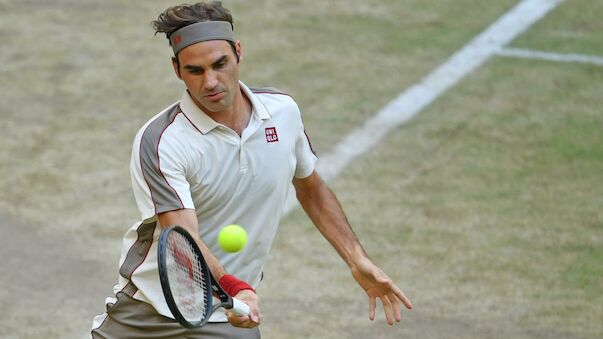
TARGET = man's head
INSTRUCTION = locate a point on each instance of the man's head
(206, 53)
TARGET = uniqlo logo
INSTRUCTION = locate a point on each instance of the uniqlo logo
(271, 135)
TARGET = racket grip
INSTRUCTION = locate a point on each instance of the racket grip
(239, 308)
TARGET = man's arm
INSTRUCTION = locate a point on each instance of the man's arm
(326, 213)
(187, 218)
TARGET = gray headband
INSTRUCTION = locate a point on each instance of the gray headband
(201, 31)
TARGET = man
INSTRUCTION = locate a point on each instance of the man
(223, 154)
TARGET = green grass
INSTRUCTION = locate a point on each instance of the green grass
(365, 54)
(496, 196)
(485, 208)
(87, 84)
(575, 27)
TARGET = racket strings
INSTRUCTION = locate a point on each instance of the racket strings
(187, 278)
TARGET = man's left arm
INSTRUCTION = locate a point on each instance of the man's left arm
(326, 213)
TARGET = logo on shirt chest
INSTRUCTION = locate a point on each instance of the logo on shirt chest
(271, 135)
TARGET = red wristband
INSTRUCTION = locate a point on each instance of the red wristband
(232, 285)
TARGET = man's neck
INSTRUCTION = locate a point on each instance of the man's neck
(235, 117)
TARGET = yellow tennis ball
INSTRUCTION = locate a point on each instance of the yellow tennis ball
(232, 238)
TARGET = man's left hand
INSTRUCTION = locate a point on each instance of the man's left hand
(377, 284)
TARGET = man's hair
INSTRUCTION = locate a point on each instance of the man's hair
(176, 17)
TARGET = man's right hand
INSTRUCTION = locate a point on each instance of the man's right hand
(254, 318)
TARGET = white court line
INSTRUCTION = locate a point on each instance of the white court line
(548, 56)
(420, 95)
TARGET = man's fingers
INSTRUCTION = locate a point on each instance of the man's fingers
(255, 317)
(242, 321)
(396, 307)
(402, 297)
(387, 308)
(372, 303)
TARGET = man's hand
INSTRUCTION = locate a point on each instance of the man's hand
(377, 284)
(254, 318)
(322, 207)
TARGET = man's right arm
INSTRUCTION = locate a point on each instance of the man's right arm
(158, 167)
(187, 218)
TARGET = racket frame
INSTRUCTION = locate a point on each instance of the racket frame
(165, 283)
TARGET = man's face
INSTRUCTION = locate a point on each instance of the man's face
(211, 73)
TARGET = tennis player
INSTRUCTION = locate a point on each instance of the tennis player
(224, 153)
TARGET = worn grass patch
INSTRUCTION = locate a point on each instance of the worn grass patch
(486, 207)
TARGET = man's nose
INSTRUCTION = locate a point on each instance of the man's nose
(211, 80)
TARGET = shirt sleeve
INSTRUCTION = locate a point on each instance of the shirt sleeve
(304, 153)
(158, 170)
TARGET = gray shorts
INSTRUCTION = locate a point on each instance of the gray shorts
(131, 318)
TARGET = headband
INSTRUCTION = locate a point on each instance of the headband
(201, 31)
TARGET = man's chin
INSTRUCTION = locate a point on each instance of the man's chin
(214, 107)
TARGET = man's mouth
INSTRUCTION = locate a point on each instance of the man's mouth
(215, 96)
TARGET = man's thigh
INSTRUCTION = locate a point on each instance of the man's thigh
(130, 318)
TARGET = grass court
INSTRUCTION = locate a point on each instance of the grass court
(486, 207)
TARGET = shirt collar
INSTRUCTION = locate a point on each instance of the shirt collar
(258, 107)
(204, 123)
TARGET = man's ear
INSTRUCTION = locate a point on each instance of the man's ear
(239, 49)
(176, 66)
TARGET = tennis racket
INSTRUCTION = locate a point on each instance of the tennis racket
(187, 282)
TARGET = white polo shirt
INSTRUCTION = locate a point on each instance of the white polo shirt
(183, 159)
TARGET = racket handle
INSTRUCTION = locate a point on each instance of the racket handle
(239, 308)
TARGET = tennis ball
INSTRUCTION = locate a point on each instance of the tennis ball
(232, 238)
